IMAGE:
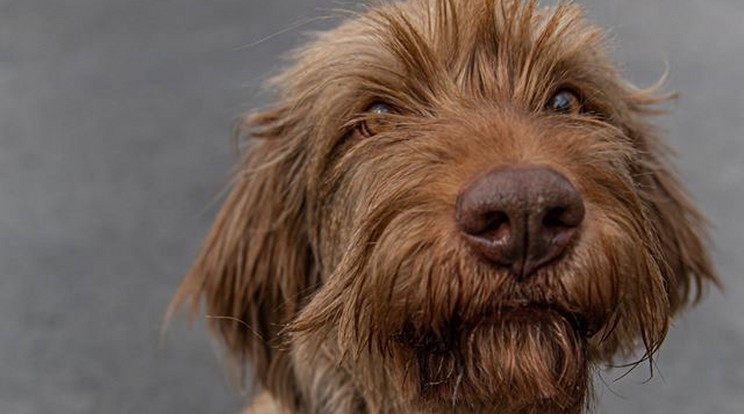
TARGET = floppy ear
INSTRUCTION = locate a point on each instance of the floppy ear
(255, 264)
(680, 227)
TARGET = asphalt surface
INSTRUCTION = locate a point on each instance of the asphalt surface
(114, 146)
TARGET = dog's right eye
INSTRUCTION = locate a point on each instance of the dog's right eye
(375, 120)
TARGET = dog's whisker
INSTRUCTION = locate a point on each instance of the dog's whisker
(298, 25)
(239, 321)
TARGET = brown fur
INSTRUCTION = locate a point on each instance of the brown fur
(341, 257)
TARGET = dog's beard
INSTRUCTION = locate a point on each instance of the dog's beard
(417, 335)
(519, 360)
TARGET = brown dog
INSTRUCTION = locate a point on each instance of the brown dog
(456, 206)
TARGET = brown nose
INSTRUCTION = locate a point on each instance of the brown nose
(520, 218)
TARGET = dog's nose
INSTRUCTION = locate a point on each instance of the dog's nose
(520, 218)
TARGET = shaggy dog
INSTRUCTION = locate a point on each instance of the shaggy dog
(455, 206)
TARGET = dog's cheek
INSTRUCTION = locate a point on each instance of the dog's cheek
(619, 285)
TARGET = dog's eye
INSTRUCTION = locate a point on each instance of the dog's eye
(566, 102)
(375, 121)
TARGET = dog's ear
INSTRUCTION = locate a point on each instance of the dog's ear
(680, 228)
(256, 262)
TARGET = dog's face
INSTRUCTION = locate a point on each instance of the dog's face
(456, 206)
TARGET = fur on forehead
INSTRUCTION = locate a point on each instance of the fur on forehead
(420, 58)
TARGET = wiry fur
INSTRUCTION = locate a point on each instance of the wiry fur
(342, 257)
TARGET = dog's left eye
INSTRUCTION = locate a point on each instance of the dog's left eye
(565, 101)
(375, 121)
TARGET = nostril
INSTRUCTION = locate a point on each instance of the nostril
(496, 225)
(555, 218)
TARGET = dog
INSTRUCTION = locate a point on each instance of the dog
(455, 206)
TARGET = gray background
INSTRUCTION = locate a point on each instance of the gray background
(114, 126)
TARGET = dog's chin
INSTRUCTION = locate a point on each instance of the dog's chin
(521, 360)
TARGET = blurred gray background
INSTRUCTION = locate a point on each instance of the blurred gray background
(115, 119)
